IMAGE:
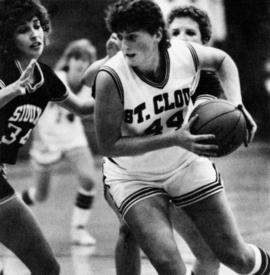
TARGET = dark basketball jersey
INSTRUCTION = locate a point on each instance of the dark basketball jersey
(20, 115)
(208, 84)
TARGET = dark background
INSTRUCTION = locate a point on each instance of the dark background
(248, 42)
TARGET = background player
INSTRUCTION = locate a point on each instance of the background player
(60, 135)
(139, 78)
(27, 86)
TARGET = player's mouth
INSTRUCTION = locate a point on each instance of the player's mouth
(130, 55)
(36, 45)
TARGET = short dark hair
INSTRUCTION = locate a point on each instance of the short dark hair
(197, 15)
(12, 14)
(131, 15)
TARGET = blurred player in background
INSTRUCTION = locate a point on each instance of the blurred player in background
(60, 135)
(27, 86)
(144, 168)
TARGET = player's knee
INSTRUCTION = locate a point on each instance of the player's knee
(166, 263)
(41, 195)
(208, 259)
(210, 266)
(237, 259)
(86, 181)
(210, 262)
(125, 233)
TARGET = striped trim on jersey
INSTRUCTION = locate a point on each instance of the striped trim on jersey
(108, 197)
(200, 193)
(2, 84)
(31, 89)
(265, 265)
(116, 80)
(159, 85)
(138, 196)
(206, 97)
(194, 56)
(195, 82)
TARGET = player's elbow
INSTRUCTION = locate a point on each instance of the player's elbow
(105, 148)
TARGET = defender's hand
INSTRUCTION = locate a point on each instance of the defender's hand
(113, 45)
(25, 78)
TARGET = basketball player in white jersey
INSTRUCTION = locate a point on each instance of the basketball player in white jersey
(127, 251)
(60, 135)
(142, 94)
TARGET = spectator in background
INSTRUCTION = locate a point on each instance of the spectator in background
(60, 135)
(27, 86)
(192, 24)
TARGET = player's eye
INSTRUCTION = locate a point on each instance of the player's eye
(22, 29)
(131, 37)
(191, 33)
(120, 37)
(37, 24)
(175, 32)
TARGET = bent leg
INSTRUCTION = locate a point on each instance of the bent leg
(149, 221)
(215, 221)
(20, 233)
(39, 192)
(84, 168)
(206, 262)
(127, 250)
(127, 253)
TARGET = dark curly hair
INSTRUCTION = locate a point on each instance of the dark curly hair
(133, 15)
(12, 14)
(195, 14)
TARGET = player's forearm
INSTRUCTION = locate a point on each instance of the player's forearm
(8, 93)
(229, 76)
(131, 146)
(77, 106)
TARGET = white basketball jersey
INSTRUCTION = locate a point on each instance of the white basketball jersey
(58, 128)
(153, 109)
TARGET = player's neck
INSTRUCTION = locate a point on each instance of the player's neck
(156, 70)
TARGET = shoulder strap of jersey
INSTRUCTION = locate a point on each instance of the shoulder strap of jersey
(116, 80)
(194, 56)
(2, 84)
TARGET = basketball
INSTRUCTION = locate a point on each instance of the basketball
(224, 120)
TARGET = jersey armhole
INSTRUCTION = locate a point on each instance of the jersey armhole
(61, 99)
(116, 80)
(2, 84)
(194, 56)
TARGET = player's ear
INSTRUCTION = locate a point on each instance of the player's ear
(159, 34)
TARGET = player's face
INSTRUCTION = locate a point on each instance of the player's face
(140, 48)
(186, 29)
(77, 67)
(29, 39)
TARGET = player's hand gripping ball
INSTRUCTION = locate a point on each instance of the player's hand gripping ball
(223, 119)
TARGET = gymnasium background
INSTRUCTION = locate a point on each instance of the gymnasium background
(243, 30)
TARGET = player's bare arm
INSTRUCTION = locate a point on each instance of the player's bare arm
(109, 115)
(227, 72)
(112, 47)
(77, 106)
